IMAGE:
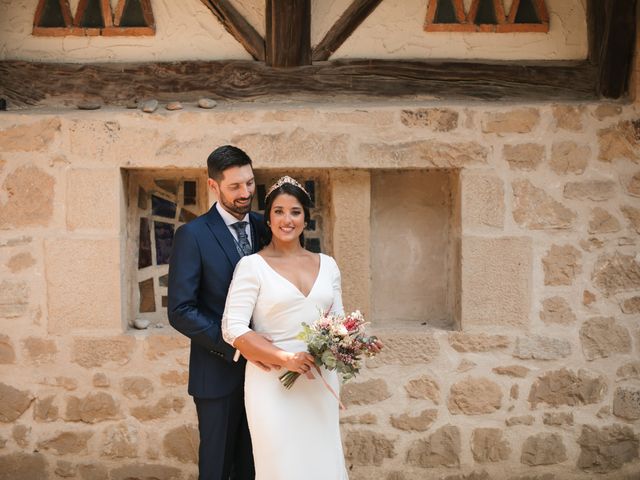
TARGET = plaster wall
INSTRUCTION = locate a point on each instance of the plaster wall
(187, 30)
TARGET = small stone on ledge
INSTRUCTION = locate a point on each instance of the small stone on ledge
(89, 105)
(141, 323)
(171, 106)
(150, 106)
(207, 103)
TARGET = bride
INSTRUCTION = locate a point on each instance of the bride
(295, 433)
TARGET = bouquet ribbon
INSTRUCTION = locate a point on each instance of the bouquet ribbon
(333, 392)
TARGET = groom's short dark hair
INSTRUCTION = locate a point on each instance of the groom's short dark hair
(224, 157)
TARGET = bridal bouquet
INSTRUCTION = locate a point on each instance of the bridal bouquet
(336, 342)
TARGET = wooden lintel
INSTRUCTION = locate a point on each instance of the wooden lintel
(288, 36)
(352, 17)
(612, 44)
(23, 83)
(238, 27)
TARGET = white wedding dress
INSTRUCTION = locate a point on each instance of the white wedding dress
(296, 432)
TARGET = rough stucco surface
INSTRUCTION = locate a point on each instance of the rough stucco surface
(187, 30)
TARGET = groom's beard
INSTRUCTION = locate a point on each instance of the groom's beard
(237, 206)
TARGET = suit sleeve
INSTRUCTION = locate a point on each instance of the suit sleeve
(241, 300)
(185, 271)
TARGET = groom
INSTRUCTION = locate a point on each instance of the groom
(204, 255)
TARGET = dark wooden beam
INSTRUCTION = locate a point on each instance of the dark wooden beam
(52, 84)
(288, 36)
(238, 27)
(614, 33)
(351, 19)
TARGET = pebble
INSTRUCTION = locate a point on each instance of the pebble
(171, 106)
(133, 103)
(207, 103)
(89, 105)
(150, 106)
(141, 323)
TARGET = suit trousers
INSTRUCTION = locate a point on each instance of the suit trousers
(225, 444)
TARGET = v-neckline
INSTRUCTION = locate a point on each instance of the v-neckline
(289, 281)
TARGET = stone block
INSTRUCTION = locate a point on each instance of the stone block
(566, 387)
(94, 408)
(182, 443)
(136, 387)
(474, 396)
(632, 214)
(420, 154)
(92, 471)
(616, 273)
(173, 378)
(569, 157)
(535, 209)
(602, 221)
(629, 370)
(405, 349)
(98, 351)
(543, 449)
(45, 410)
(440, 449)
(33, 137)
(20, 434)
(568, 117)
(83, 284)
(539, 347)
(606, 449)
(40, 350)
(7, 352)
(67, 443)
(524, 156)
(100, 380)
(365, 393)
(21, 261)
(14, 299)
(606, 110)
(633, 185)
(23, 466)
(419, 423)
(65, 469)
(145, 471)
(364, 447)
(161, 409)
(482, 200)
(30, 192)
(561, 265)
(520, 420)
(437, 119)
(487, 445)
(519, 120)
(364, 419)
(619, 142)
(602, 337)
(477, 342)
(631, 305)
(626, 403)
(558, 419)
(595, 190)
(93, 200)
(496, 278)
(517, 371)
(120, 441)
(423, 388)
(13, 402)
(158, 346)
(557, 310)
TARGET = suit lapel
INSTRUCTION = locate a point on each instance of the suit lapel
(255, 229)
(222, 234)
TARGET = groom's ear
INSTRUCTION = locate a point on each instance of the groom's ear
(213, 185)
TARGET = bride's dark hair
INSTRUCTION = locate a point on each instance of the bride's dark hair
(289, 189)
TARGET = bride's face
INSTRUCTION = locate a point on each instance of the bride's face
(286, 218)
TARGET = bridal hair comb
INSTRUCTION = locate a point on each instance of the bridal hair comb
(286, 179)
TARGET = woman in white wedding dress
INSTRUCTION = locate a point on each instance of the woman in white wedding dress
(295, 433)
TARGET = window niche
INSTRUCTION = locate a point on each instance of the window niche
(415, 248)
(158, 202)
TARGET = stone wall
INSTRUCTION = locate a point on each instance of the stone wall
(541, 382)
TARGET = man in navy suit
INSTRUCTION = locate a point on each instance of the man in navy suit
(204, 254)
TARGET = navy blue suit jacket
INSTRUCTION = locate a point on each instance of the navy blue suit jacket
(203, 258)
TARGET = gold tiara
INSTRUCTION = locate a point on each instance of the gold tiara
(286, 179)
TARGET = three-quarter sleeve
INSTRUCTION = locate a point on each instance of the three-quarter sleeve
(241, 300)
(336, 306)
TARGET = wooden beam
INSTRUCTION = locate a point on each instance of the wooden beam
(52, 84)
(616, 37)
(238, 27)
(288, 37)
(351, 19)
